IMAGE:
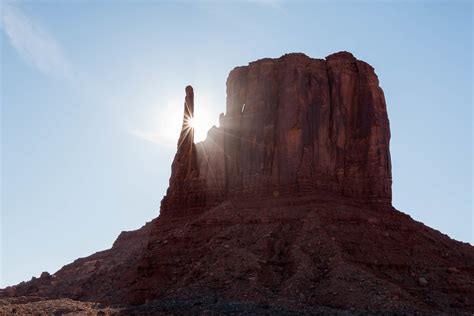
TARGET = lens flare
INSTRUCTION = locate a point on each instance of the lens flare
(166, 127)
(192, 123)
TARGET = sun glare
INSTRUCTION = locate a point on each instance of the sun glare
(201, 123)
(166, 126)
(192, 123)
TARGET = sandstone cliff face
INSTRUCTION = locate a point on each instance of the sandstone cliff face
(285, 204)
(294, 125)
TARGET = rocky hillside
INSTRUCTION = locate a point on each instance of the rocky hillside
(284, 208)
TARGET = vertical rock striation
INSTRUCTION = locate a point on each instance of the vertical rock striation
(293, 125)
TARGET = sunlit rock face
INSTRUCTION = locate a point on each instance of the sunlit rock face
(293, 125)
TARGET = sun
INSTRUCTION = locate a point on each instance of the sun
(166, 126)
(201, 123)
(192, 123)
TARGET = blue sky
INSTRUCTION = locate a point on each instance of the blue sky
(91, 94)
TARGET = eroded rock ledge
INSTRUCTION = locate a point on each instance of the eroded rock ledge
(292, 125)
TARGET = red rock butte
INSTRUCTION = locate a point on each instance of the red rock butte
(292, 125)
(284, 208)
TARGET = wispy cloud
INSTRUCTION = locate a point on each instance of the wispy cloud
(153, 137)
(33, 42)
(161, 125)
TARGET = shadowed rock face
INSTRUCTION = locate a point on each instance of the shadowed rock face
(185, 171)
(293, 125)
(286, 205)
